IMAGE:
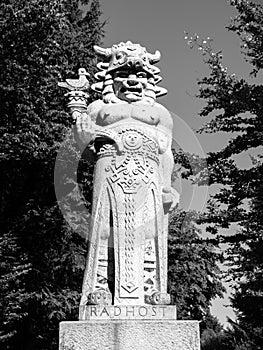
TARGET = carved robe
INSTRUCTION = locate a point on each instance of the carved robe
(129, 228)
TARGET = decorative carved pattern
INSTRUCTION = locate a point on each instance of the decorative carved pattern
(99, 297)
(129, 238)
(158, 298)
(149, 268)
(134, 166)
(134, 142)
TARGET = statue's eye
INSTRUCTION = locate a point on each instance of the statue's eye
(141, 75)
(119, 56)
(122, 74)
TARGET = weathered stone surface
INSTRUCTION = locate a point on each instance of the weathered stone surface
(121, 312)
(131, 135)
(124, 304)
(129, 335)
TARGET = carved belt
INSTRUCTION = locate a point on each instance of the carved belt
(127, 141)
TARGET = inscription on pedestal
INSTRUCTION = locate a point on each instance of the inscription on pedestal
(121, 312)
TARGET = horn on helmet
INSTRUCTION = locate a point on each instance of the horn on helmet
(154, 58)
(103, 52)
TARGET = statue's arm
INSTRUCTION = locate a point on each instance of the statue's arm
(170, 195)
(85, 127)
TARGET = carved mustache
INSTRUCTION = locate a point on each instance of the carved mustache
(131, 88)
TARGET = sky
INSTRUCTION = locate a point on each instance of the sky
(160, 25)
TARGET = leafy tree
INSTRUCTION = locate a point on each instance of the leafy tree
(234, 105)
(41, 257)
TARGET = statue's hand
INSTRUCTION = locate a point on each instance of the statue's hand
(85, 127)
(163, 141)
(170, 199)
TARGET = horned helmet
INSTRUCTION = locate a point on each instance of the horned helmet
(127, 55)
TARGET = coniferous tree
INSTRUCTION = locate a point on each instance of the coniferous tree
(237, 109)
(193, 274)
(41, 257)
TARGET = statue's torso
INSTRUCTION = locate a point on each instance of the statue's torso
(113, 113)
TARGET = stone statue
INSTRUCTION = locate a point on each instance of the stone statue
(131, 135)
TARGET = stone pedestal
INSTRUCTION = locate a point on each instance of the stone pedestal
(132, 333)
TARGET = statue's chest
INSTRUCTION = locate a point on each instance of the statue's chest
(116, 112)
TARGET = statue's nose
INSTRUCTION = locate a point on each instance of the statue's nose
(132, 80)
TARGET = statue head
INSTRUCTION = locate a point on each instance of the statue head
(128, 74)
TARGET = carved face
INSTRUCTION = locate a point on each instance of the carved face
(130, 84)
